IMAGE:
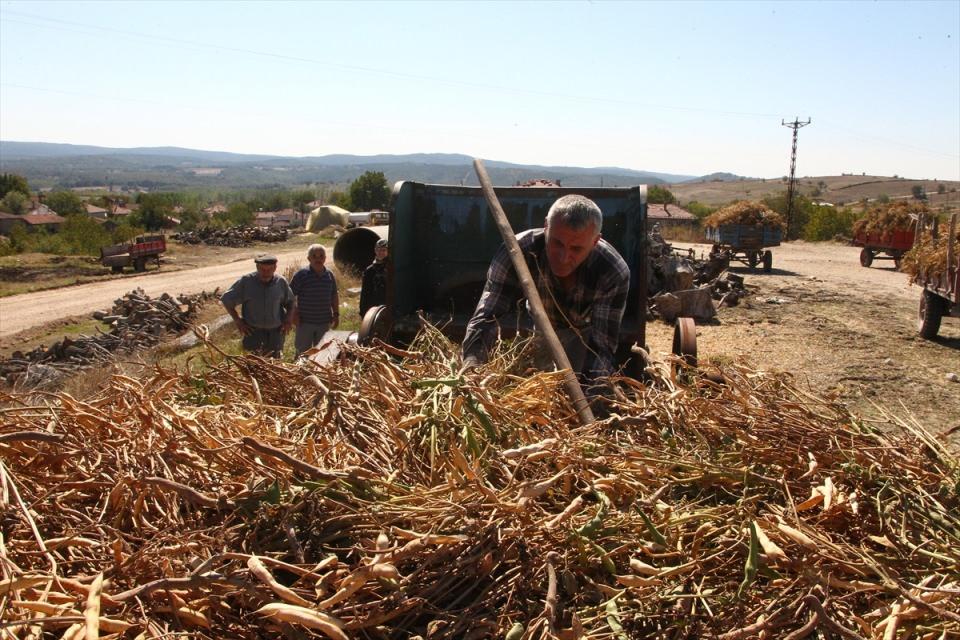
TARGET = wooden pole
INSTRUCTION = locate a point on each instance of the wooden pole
(540, 318)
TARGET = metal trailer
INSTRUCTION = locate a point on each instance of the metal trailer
(893, 244)
(745, 243)
(135, 254)
(941, 291)
(442, 239)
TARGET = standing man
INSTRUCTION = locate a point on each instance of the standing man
(373, 290)
(581, 278)
(267, 307)
(318, 304)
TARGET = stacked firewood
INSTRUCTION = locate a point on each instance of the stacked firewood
(232, 236)
(136, 321)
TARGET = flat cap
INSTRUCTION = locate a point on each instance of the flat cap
(265, 258)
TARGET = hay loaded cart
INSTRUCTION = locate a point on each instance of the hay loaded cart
(746, 243)
(941, 287)
(892, 244)
(442, 239)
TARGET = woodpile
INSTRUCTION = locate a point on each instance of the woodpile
(232, 236)
(136, 321)
(383, 496)
(746, 212)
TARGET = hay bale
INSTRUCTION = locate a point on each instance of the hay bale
(326, 216)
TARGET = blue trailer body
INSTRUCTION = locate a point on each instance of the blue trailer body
(745, 236)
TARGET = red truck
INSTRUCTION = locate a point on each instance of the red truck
(134, 253)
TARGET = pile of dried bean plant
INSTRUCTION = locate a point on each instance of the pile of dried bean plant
(386, 496)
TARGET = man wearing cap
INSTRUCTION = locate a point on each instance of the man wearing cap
(266, 307)
(318, 304)
(582, 281)
(373, 290)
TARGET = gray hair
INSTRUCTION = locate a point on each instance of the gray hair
(576, 212)
(316, 248)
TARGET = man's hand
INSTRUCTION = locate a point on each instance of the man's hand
(243, 327)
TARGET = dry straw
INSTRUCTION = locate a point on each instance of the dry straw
(746, 212)
(386, 496)
(884, 219)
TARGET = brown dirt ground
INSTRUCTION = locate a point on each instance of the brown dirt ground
(842, 330)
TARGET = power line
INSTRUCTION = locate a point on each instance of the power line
(795, 125)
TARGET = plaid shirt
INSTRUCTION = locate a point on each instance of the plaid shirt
(593, 307)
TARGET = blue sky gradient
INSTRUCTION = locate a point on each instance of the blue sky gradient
(683, 87)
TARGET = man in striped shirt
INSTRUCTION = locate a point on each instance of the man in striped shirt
(318, 304)
(581, 278)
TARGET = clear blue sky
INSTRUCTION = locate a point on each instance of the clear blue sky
(683, 87)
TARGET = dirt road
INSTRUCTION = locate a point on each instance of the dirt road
(842, 330)
(18, 313)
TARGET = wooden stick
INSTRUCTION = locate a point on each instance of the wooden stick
(540, 318)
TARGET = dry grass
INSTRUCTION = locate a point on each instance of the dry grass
(748, 213)
(389, 497)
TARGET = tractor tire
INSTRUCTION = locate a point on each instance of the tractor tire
(929, 315)
(767, 261)
(866, 258)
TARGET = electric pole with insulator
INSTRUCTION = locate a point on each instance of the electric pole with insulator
(795, 125)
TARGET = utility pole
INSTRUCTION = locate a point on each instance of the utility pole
(795, 125)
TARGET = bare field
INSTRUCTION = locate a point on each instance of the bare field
(833, 189)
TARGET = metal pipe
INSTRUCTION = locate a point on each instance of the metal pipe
(354, 250)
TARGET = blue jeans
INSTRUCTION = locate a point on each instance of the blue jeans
(265, 342)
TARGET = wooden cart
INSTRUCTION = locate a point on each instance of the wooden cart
(745, 243)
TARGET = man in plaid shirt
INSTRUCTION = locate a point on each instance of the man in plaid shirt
(581, 278)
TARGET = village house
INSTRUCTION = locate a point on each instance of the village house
(669, 215)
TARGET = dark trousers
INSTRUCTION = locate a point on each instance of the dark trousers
(265, 342)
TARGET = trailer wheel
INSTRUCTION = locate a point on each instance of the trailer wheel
(866, 257)
(116, 268)
(929, 315)
(767, 261)
(685, 340)
(375, 324)
(140, 264)
(897, 259)
(753, 257)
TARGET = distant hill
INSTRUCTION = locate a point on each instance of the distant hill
(49, 165)
(716, 177)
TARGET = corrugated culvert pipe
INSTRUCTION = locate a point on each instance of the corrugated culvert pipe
(353, 251)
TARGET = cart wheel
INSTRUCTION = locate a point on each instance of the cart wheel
(866, 257)
(375, 324)
(116, 268)
(753, 257)
(767, 261)
(685, 340)
(929, 315)
(140, 264)
(896, 262)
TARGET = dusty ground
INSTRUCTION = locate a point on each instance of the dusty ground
(842, 329)
(193, 272)
(839, 328)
